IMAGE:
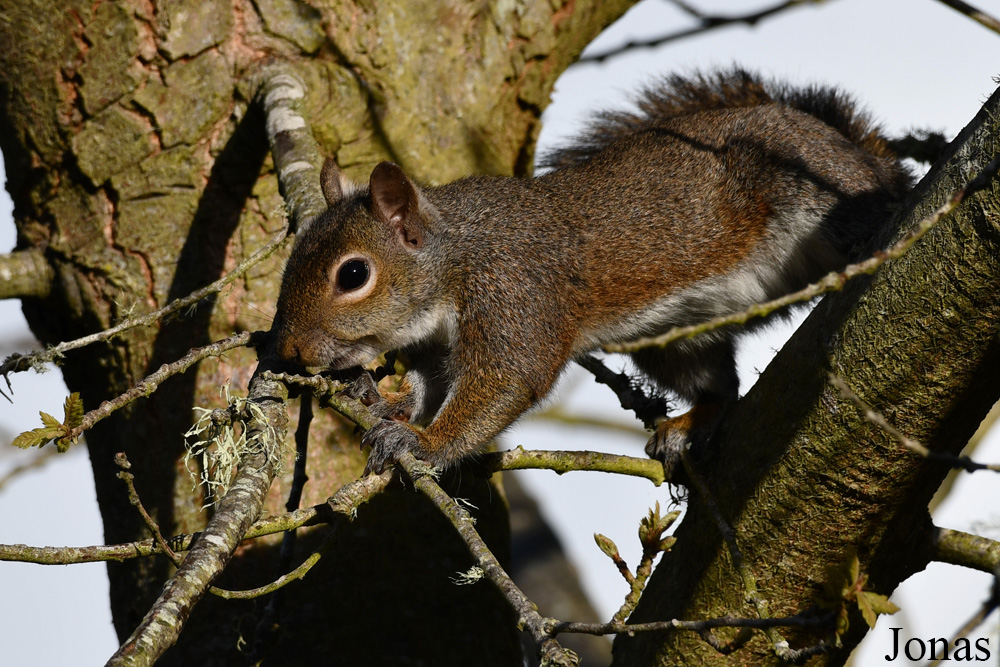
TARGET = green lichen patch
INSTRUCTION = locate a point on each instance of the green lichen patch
(338, 106)
(192, 26)
(109, 70)
(168, 170)
(79, 220)
(110, 142)
(293, 20)
(156, 227)
(192, 99)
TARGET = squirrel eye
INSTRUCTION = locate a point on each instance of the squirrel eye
(352, 275)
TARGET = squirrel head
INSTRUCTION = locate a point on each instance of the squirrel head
(360, 279)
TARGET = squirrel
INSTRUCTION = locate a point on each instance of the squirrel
(718, 191)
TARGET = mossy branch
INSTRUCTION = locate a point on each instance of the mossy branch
(967, 550)
(25, 274)
(210, 554)
(296, 154)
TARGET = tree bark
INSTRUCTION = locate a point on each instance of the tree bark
(139, 168)
(799, 474)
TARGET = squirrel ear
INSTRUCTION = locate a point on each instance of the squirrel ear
(395, 202)
(332, 180)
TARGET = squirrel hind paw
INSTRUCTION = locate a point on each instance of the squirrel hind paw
(674, 436)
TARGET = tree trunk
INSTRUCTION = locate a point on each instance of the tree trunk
(140, 169)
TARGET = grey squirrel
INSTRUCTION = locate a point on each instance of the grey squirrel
(717, 192)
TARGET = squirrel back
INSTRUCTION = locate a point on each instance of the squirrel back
(718, 192)
(678, 95)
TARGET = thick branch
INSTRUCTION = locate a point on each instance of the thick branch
(25, 273)
(296, 155)
(236, 512)
(967, 550)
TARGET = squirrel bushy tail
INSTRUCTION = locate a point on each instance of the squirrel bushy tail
(679, 95)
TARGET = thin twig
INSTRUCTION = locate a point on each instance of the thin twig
(133, 497)
(831, 282)
(22, 362)
(268, 620)
(706, 22)
(875, 417)
(343, 502)
(977, 15)
(561, 462)
(148, 385)
(549, 650)
(804, 620)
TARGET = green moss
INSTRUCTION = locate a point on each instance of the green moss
(337, 107)
(191, 99)
(110, 142)
(174, 168)
(192, 26)
(293, 20)
(156, 227)
(109, 70)
(78, 220)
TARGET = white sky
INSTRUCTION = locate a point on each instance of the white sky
(914, 63)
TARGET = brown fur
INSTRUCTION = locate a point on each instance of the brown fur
(720, 191)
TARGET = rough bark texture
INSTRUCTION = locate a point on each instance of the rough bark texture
(140, 170)
(798, 473)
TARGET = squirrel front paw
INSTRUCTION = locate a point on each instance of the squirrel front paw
(388, 439)
(396, 406)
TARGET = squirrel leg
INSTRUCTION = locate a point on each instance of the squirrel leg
(702, 373)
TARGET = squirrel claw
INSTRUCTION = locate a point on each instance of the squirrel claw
(388, 439)
(675, 436)
(668, 442)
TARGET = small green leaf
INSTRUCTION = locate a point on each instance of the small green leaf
(854, 566)
(63, 444)
(50, 421)
(73, 410)
(37, 437)
(874, 604)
